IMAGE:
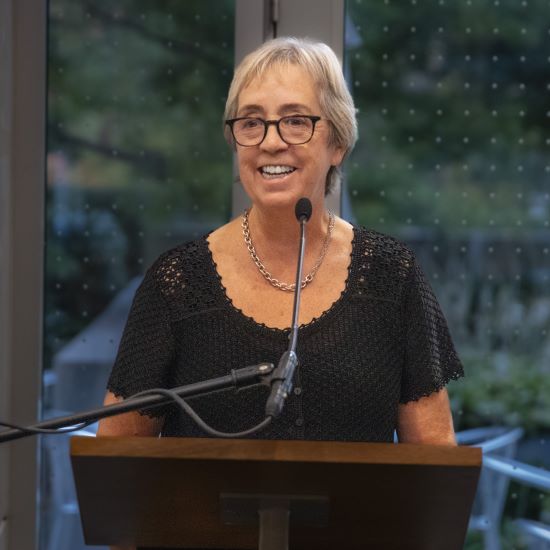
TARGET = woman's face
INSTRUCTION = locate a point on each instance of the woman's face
(283, 91)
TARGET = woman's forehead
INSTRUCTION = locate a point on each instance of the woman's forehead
(281, 70)
(282, 84)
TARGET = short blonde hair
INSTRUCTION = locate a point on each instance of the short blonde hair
(321, 63)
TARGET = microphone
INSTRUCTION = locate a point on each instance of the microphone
(282, 378)
(303, 209)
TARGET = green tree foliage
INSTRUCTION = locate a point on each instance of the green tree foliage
(136, 97)
(453, 102)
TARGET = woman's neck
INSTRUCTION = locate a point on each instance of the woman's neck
(276, 232)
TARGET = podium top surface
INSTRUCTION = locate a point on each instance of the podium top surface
(281, 451)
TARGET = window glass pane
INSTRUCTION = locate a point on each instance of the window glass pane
(136, 163)
(453, 158)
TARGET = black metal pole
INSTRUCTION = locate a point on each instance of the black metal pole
(244, 377)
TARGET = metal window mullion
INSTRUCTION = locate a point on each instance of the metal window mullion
(5, 253)
(254, 23)
(23, 136)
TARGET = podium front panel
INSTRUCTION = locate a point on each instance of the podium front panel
(166, 492)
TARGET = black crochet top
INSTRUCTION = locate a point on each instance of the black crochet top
(383, 342)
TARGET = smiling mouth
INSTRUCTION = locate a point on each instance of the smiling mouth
(274, 171)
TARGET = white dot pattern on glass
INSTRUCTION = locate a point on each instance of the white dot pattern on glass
(464, 101)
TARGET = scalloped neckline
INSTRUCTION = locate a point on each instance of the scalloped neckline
(315, 321)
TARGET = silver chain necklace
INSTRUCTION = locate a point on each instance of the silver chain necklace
(275, 282)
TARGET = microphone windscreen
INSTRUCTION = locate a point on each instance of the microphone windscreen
(303, 209)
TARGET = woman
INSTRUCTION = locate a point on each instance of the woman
(375, 353)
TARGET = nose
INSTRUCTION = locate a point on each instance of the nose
(272, 140)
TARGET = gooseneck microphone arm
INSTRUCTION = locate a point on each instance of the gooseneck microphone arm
(303, 213)
(282, 377)
(253, 375)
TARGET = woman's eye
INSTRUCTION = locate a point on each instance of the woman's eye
(295, 121)
(251, 123)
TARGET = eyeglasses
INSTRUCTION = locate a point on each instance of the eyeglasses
(294, 130)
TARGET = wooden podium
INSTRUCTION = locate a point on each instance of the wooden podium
(209, 493)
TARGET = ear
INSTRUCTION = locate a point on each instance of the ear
(337, 156)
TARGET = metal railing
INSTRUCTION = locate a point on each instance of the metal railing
(499, 446)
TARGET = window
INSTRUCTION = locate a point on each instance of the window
(136, 163)
(453, 159)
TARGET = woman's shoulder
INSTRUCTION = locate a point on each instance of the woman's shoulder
(383, 265)
(189, 266)
(177, 257)
(179, 267)
(384, 249)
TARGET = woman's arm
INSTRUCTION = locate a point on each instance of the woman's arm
(427, 421)
(131, 423)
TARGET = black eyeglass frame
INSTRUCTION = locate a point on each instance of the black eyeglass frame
(267, 123)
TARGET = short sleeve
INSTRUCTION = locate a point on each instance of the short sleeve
(431, 360)
(146, 350)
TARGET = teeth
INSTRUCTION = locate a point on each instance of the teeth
(277, 169)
